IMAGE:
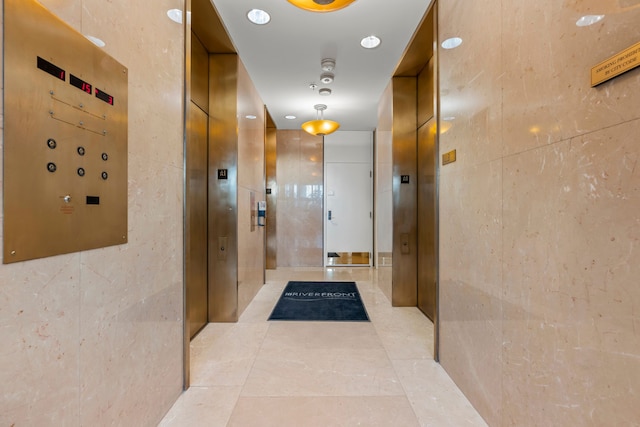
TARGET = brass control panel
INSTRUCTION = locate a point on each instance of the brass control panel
(65, 138)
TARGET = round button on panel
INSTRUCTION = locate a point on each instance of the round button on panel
(51, 167)
(104, 175)
(51, 143)
(81, 151)
(80, 171)
(105, 156)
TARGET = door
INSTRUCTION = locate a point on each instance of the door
(349, 199)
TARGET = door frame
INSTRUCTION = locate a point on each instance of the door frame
(339, 138)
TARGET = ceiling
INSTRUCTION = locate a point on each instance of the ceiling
(283, 57)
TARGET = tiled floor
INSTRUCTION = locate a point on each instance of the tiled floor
(304, 374)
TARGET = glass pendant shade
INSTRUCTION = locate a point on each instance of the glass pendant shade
(321, 5)
(320, 126)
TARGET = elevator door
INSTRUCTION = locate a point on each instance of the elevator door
(427, 219)
(196, 220)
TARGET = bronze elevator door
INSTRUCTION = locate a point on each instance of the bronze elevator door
(196, 224)
(427, 219)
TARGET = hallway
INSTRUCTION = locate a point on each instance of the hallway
(260, 373)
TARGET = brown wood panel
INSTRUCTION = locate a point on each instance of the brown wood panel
(404, 270)
(223, 193)
(196, 219)
(272, 196)
(427, 268)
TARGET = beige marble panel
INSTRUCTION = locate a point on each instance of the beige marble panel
(546, 81)
(70, 11)
(470, 310)
(384, 178)
(98, 334)
(250, 249)
(251, 134)
(470, 83)
(545, 336)
(130, 360)
(251, 188)
(39, 312)
(300, 199)
(571, 294)
(151, 46)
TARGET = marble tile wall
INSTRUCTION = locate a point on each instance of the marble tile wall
(384, 180)
(300, 181)
(251, 184)
(95, 337)
(539, 229)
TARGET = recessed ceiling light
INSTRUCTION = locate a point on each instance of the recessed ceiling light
(175, 15)
(258, 16)
(325, 91)
(98, 42)
(290, 117)
(451, 43)
(370, 42)
(251, 117)
(587, 20)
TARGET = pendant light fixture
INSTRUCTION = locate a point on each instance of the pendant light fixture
(321, 5)
(320, 126)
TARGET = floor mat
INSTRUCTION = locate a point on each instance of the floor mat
(320, 301)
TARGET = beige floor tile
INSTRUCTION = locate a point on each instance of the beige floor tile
(434, 396)
(276, 373)
(323, 412)
(286, 336)
(356, 372)
(202, 407)
(405, 332)
(223, 353)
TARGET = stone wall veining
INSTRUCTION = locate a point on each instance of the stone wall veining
(300, 199)
(539, 226)
(95, 337)
(251, 181)
(384, 180)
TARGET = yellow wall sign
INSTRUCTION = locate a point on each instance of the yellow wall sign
(620, 63)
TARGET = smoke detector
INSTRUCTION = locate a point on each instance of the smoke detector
(328, 64)
(327, 78)
(325, 91)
